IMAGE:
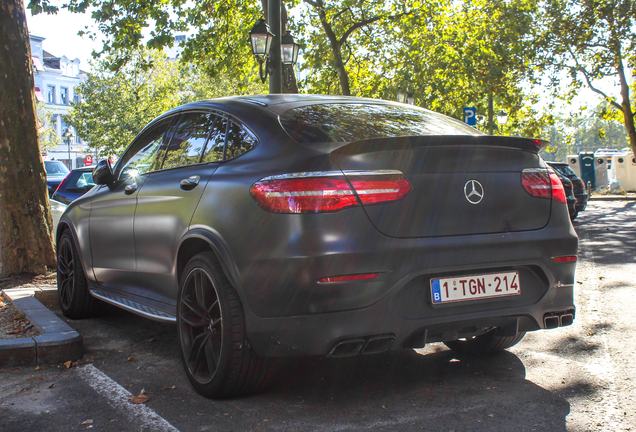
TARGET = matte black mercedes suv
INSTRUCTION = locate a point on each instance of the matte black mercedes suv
(295, 225)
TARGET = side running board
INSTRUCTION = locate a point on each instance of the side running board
(133, 306)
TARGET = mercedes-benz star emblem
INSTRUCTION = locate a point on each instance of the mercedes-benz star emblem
(474, 191)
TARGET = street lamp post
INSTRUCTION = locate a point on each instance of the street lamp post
(69, 137)
(278, 54)
(502, 117)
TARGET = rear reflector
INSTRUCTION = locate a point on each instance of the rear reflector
(565, 258)
(543, 183)
(322, 192)
(349, 278)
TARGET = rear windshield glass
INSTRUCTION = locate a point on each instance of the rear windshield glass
(565, 170)
(354, 122)
(55, 168)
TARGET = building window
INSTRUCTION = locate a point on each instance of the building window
(64, 96)
(76, 98)
(50, 97)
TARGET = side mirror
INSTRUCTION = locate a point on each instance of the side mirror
(103, 173)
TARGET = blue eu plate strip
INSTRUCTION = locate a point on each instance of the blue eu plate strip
(437, 295)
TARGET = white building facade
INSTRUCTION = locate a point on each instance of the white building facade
(55, 80)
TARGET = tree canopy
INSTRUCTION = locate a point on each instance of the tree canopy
(592, 41)
(115, 106)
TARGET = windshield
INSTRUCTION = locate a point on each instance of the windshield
(355, 122)
(55, 168)
(565, 170)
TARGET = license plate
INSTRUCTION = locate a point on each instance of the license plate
(475, 287)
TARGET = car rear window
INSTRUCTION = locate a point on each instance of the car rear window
(355, 122)
(55, 168)
(565, 170)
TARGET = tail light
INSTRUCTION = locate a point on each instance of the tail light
(62, 182)
(542, 183)
(349, 278)
(323, 192)
(569, 258)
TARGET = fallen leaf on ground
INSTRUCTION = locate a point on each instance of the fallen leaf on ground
(165, 387)
(68, 364)
(139, 399)
(131, 358)
(87, 422)
(37, 368)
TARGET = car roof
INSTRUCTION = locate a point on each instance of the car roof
(556, 163)
(277, 103)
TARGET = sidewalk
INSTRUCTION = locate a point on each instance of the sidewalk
(58, 342)
(628, 197)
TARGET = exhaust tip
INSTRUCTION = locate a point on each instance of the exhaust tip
(347, 348)
(566, 319)
(551, 322)
(377, 344)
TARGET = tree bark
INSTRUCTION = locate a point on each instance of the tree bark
(336, 46)
(25, 216)
(628, 114)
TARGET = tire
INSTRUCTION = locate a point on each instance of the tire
(483, 344)
(574, 214)
(72, 288)
(216, 355)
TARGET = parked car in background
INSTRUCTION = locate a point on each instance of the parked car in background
(301, 225)
(578, 187)
(569, 194)
(56, 171)
(75, 184)
(57, 209)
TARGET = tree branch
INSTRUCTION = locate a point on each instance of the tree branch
(366, 22)
(582, 70)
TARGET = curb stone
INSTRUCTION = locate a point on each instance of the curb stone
(628, 197)
(57, 343)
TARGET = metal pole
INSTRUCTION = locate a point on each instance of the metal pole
(274, 21)
(491, 114)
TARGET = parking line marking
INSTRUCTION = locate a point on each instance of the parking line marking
(610, 402)
(118, 398)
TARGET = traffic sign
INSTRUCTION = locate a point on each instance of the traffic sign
(470, 116)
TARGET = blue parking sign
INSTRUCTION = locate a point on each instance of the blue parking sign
(470, 116)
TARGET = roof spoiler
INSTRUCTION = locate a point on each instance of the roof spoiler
(410, 142)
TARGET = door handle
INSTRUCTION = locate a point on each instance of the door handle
(130, 189)
(190, 183)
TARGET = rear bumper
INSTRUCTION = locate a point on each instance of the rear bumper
(289, 313)
(581, 201)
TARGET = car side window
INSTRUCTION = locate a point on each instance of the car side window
(189, 139)
(147, 158)
(216, 143)
(239, 141)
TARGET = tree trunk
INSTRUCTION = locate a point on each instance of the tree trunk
(628, 115)
(25, 216)
(336, 50)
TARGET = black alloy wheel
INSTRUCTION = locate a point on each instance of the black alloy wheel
(201, 326)
(72, 288)
(65, 272)
(216, 355)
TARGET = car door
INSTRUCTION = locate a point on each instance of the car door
(113, 209)
(169, 197)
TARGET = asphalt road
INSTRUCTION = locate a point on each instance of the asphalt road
(578, 378)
